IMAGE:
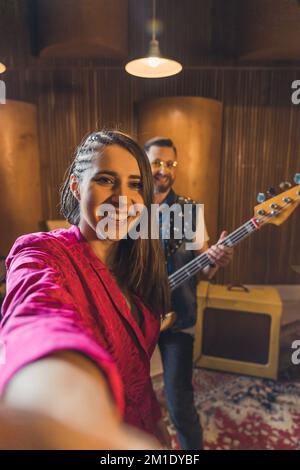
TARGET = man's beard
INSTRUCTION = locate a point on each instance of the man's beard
(162, 184)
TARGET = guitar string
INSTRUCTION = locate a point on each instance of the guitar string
(195, 265)
(236, 237)
(184, 273)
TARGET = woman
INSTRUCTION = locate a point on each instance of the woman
(82, 311)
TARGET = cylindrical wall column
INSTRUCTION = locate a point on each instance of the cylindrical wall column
(20, 208)
(194, 124)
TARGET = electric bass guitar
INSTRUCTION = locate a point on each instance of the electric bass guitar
(274, 210)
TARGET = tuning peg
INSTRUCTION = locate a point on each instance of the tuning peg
(271, 192)
(261, 197)
(297, 178)
(285, 185)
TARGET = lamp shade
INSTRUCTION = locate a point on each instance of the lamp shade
(154, 65)
(2, 67)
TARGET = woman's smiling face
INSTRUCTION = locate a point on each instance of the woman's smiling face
(113, 179)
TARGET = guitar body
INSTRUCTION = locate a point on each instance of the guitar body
(167, 321)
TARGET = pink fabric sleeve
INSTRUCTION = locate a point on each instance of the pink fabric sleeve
(40, 318)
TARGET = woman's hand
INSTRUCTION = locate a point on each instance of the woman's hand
(163, 434)
(63, 401)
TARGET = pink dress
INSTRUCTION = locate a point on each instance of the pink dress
(60, 296)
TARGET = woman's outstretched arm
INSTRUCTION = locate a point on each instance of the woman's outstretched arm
(63, 401)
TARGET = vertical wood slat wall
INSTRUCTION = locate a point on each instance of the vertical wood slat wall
(260, 142)
(260, 139)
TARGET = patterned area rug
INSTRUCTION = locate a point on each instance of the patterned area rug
(241, 412)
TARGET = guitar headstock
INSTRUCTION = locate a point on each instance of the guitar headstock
(277, 209)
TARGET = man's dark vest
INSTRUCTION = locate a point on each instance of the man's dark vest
(184, 301)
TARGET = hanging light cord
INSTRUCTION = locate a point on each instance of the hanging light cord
(153, 20)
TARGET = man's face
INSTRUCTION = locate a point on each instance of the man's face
(163, 171)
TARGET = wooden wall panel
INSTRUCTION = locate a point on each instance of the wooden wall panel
(195, 125)
(94, 28)
(270, 29)
(260, 138)
(20, 210)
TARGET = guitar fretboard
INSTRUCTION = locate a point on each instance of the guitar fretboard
(201, 261)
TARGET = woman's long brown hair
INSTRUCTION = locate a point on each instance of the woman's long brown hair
(139, 264)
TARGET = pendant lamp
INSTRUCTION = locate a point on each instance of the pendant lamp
(153, 65)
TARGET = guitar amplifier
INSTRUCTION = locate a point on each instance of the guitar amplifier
(238, 329)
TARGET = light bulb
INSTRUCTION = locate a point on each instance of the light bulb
(153, 61)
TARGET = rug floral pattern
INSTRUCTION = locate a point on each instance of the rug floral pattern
(241, 412)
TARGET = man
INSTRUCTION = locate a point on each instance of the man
(176, 343)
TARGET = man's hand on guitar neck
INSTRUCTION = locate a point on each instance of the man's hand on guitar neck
(219, 255)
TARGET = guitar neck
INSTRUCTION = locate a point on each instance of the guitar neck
(201, 261)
